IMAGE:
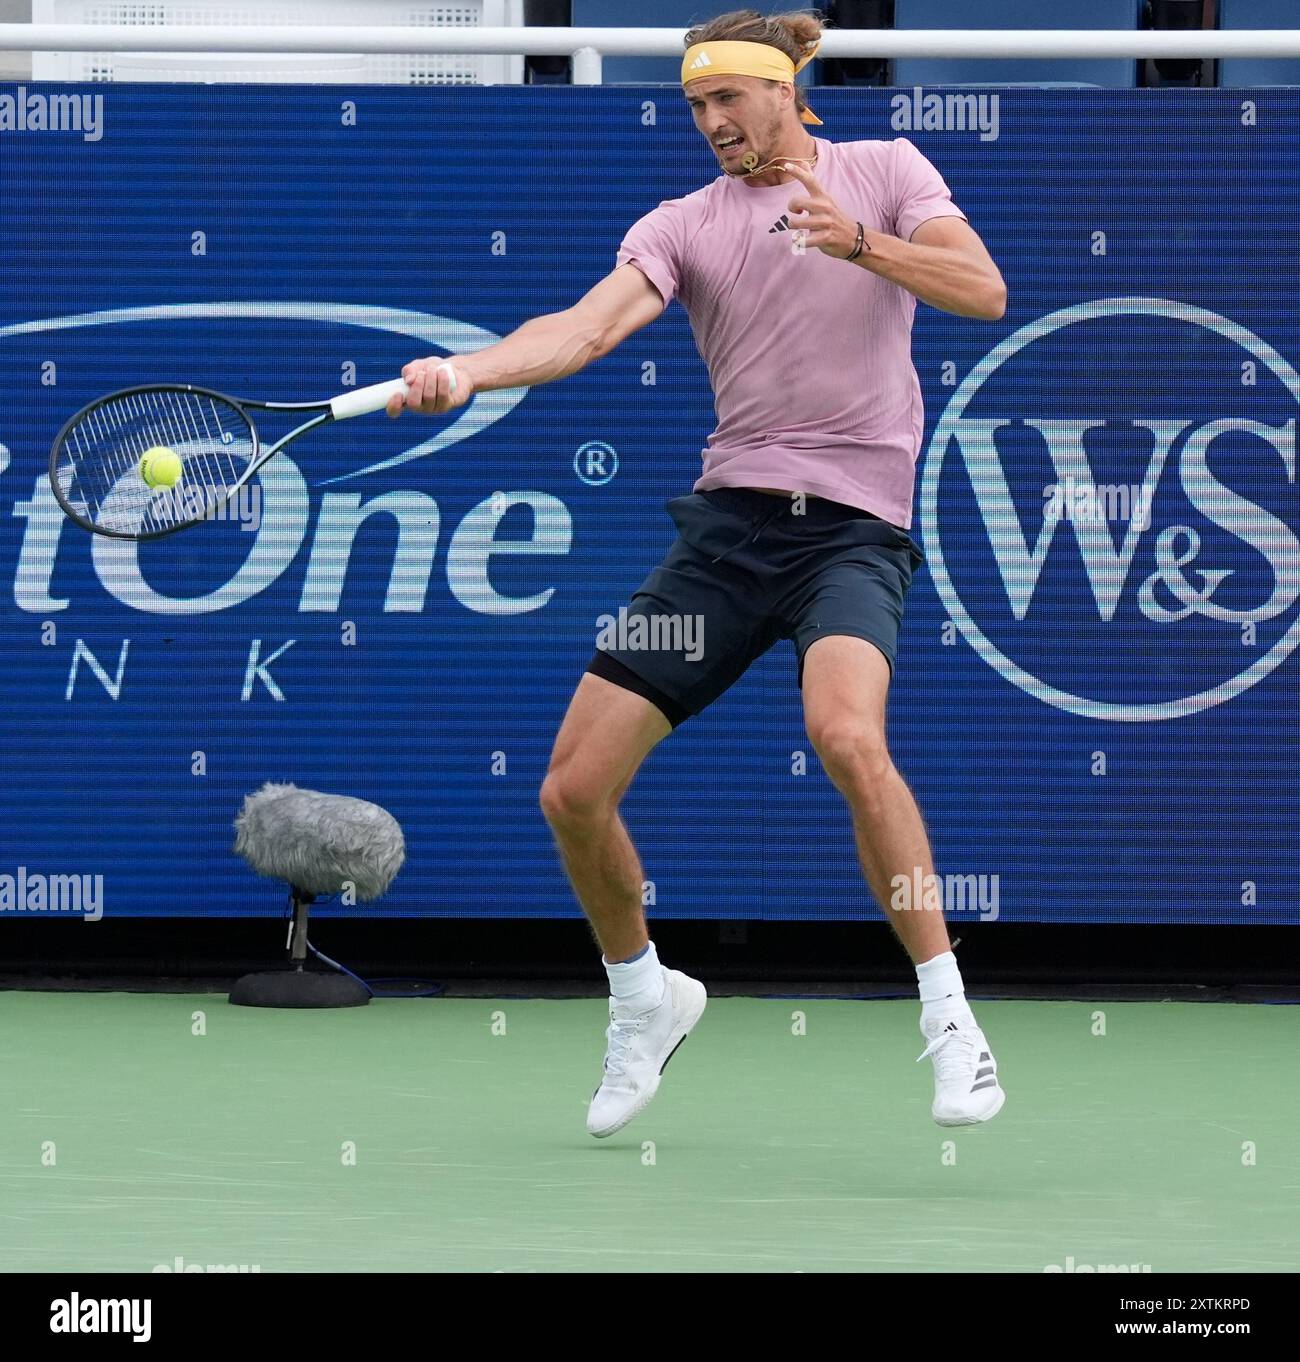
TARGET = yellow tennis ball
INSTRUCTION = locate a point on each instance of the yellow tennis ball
(160, 467)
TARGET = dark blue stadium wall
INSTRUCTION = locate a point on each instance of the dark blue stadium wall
(1099, 718)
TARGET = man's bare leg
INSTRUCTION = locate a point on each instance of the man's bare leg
(604, 738)
(606, 735)
(845, 681)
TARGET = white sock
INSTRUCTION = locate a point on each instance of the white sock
(942, 993)
(637, 983)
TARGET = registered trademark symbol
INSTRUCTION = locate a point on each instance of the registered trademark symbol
(595, 463)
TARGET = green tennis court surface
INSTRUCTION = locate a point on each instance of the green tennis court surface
(771, 1151)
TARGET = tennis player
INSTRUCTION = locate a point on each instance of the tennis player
(799, 267)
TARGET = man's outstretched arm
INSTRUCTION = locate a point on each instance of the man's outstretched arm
(541, 350)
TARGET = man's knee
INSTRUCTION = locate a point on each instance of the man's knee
(569, 796)
(606, 734)
(854, 754)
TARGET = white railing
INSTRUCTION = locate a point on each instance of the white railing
(352, 68)
(588, 45)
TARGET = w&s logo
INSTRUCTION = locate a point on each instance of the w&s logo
(1164, 612)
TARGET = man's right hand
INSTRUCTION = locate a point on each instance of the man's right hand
(436, 385)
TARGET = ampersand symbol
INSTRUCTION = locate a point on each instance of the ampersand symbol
(1169, 571)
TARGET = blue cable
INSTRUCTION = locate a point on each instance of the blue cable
(430, 987)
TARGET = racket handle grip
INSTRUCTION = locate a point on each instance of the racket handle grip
(365, 400)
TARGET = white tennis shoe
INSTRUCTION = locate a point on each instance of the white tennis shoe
(966, 1087)
(639, 1046)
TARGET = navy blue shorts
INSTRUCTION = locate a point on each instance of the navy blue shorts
(745, 571)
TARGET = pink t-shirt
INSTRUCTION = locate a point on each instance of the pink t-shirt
(810, 358)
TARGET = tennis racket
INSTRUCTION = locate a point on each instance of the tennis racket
(96, 461)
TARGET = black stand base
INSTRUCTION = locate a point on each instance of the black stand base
(297, 988)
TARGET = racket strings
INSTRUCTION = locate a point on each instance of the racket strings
(98, 466)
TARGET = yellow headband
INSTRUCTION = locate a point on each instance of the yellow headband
(745, 59)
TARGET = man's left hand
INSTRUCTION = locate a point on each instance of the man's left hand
(817, 214)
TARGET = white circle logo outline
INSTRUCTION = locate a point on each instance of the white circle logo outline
(602, 447)
(938, 446)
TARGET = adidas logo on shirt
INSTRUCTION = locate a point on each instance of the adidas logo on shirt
(701, 60)
(782, 224)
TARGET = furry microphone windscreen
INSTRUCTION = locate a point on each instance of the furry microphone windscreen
(318, 842)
